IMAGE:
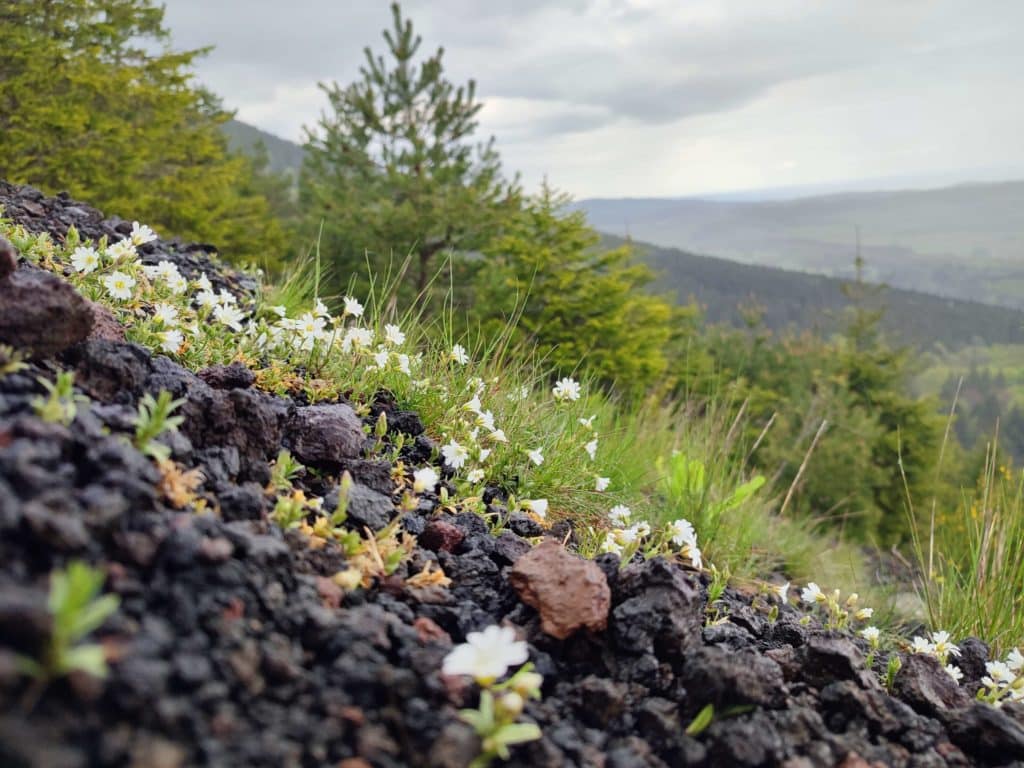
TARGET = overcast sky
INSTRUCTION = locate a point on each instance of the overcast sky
(666, 97)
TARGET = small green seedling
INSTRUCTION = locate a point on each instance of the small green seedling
(494, 720)
(77, 609)
(154, 418)
(285, 469)
(891, 670)
(11, 360)
(61, 404)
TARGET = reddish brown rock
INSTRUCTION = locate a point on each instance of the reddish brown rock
(8, 259)
(570, 593)
(439, 535)
(104, 324)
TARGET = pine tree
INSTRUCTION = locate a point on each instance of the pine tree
(579, 304)
(94, 102)
(392, 169)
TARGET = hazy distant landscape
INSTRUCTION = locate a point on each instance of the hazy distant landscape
(965, 241)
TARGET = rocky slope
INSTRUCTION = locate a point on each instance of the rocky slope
(234, 646)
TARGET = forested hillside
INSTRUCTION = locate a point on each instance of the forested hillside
(729, 291)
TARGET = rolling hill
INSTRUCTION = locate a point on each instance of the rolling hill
(964, 242)
(798, 300)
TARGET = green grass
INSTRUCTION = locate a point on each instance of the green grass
(971, 560)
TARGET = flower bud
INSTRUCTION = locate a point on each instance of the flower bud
(511, 703)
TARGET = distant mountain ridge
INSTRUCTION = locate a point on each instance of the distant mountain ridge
(789, 300)
(284, 156)
(965, 241)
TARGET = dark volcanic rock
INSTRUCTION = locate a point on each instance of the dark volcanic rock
(927, 687)
(234, 376)
(325, 435)
(570, 593)
(42, 314)
(657, 608)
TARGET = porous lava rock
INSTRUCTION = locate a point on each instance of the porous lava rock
(41, 314)
(325, 435)
(570, 593)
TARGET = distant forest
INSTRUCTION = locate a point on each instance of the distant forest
(729, 292)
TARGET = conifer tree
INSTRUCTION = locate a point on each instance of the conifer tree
(392, 169)
(93, 101)
(578, 303)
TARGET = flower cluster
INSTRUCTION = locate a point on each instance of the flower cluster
(629, 536)
(1004, 680)
(838, 614)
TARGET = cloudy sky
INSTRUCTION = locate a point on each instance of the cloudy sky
(666, 97)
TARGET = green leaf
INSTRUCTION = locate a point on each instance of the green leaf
(701, 721)
(516, 733)
(85, 658)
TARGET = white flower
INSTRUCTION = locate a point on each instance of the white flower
(588, 423)
(393, 335)
(781, 591)
(566, 389)
(165, 314)
(498, 436)
(381, 357)
(999, 672)
(122, 250)
(177, 284)
(403, 364)
(356, 338)
(611, 544)
(694, 553)
(921, 645)
(602, 483)
(203, 284)
(475, 475)
(487, 655)
(681, 533)
(207, 299)
(643, 528)
(85, 260)
(539, 507)
(454, 455)
(954, 672)
(1015, 661)
(311, 329)
(320, 309)
(591, 448)
(620, 514)
(171, 341)
(280, 310)
(229, 315)
(474, 405)
(352, 307)
(864, 613)
(942, 646)
(485, 419)
(225, 297)
(536, 455)
(141, 234)
(626, 536)
(459, 355)
(484, 453)
(871, 634)
(424, 480)
(812, 594)
(119, 285)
